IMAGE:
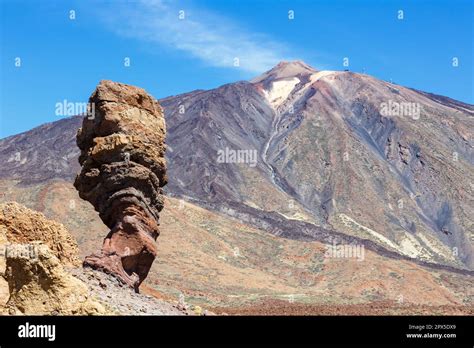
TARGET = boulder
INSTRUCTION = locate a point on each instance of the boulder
(35, 255)
(21, 225)
(39, 284)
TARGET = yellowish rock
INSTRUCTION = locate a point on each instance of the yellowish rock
(197, 310)
(34, 252)
(19, 224)
(39, 284)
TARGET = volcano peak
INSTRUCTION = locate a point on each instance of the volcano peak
(285, 70)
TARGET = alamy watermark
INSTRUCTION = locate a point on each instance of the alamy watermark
(29, 251)
(248, 156)
(67, 108)
(28, 330)
(354, 251)
(394, 108)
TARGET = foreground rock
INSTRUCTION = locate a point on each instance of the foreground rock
(123, 172)
(21, 225)
(35, 253)
(35, 280)
(39, 284)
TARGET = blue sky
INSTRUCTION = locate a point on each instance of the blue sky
(64, 58)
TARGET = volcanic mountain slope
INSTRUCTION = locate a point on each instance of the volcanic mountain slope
(44, 153)
(334, 149)
(343, 152)
(224, 265)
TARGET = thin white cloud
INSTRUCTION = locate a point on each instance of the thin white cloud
(213, 39)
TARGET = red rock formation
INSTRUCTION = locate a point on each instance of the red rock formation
(123, 172)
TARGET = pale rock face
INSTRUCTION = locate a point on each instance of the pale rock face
(4, 293)
(40, 285)
(19, 224)
(321, 74)
(280, 91)
(34, 255)
(287, 87)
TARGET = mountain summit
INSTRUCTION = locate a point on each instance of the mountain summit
(284, 70)
(286, 79)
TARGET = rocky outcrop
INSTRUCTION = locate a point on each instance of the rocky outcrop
(123, 172)
(4, 292)
(34, 256)
(40, 285)
(21, 225)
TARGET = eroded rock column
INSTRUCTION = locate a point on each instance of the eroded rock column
(123, 171)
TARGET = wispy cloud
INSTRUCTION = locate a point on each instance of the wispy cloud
(213, 39)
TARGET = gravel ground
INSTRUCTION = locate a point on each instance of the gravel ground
(278, 307)
(121, 300)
